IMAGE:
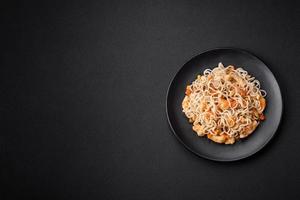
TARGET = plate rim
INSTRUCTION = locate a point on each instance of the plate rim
(220, 159)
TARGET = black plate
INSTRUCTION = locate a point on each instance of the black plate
(201, 145)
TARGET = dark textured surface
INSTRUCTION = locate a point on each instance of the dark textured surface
(83, 88)
(203, 146)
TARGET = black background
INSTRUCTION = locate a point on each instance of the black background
(83, 88)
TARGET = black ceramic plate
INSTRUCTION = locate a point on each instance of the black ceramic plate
(201, 145)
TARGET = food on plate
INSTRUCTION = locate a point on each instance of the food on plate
(224, 104)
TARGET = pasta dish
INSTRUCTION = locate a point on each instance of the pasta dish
(224, 104)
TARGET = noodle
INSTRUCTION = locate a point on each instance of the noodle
(225, 104)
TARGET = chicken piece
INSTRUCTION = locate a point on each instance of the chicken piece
(221, 138)
(262, 104)
(248, 129)
(185, 102)
(230, 140)
(198, 129)
(223, 104)
(217, 138)
(192, 118)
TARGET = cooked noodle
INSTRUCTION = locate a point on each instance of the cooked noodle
(224, 104)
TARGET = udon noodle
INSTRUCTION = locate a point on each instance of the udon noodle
(224, 104)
